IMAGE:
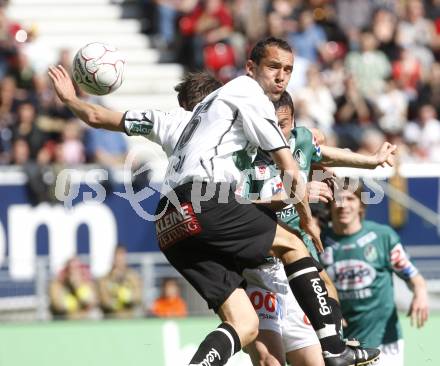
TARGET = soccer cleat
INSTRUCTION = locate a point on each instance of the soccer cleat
(352, 356)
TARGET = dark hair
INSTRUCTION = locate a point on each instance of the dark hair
(259, 50)
(285, 101)
(194, 88)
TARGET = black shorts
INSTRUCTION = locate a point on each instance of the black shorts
(211, 248)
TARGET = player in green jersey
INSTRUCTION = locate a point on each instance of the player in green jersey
(282, 333)
(361, 257)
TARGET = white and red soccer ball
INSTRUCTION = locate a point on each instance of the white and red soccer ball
(98, 68)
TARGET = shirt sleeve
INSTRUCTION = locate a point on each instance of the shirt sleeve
(260, 124)
(316, 152)
(153, 124)
(398, 258)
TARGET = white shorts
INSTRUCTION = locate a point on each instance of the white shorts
(297, 331)
(277, 308)
(391, 354)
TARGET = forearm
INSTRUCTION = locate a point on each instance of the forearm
(417, 284)
(333, 156)
(276, 203)
(293, 184)
(95, 115)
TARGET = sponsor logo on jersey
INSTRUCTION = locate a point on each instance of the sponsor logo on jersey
(138, 128)
(262, 172)
(364, 240)
(300, 158)
(317, 147)
(324, 309)
(286, 213)
(177, 225)
(348, 247)
(370, 253)
(352, 274)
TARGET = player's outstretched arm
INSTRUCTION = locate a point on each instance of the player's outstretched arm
(419, 309)
(94, 115)
(333, 156)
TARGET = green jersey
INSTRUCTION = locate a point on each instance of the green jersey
(361, 266)
(264, 180)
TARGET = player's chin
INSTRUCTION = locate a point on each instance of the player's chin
(275, 96)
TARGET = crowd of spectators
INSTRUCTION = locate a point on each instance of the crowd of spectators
(35, 127)
(74, 294)
(365, 70)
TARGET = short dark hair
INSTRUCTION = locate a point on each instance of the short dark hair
(194, 88)
(285, 101)
(259, 50)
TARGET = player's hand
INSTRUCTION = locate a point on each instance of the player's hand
(319, 192)
(419, 310)
(385, 156)
(311, 227)
(62, 83)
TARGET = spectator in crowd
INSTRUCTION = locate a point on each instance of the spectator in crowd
(317, 99)
(417, 33)
(392, 105)
(105, 147)
(369, 66)
(120, 289)
(23, 72)
(353, 111)
(26, 127)
(407, 71)
(426, 132)
(429, 92)
(170, 303)
(20, 154)
(72, 293)
(384, 29)
(309, 39)
(71, 149)
(208, 28)
(8, 46)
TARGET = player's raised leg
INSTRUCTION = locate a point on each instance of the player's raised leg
(311, 293)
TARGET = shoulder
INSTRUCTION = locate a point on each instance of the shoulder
(242, 86)
(380, 229)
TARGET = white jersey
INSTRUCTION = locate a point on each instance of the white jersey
(232, 119)
(163, 128)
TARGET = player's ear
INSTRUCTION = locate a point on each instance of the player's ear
(250, 68)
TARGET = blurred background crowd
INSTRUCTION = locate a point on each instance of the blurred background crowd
(75, 294)
(365, 71)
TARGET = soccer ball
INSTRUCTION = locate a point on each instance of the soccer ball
(98, 68)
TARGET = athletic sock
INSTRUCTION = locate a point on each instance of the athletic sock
(337, 316)
(311, 294)
(217, 347)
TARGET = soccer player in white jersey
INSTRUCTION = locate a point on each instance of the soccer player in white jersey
(210, 237)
